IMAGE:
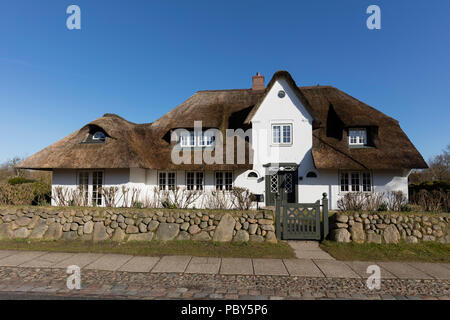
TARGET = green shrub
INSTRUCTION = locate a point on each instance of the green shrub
(19, 180)
(383, 207)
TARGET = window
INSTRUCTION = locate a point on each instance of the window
(282, 133)
(311, 174)
(224, 180)
(99, 136)
(344, 181)
(167, 180)
(357, 137)
(201, 139)
(367, 182)
(83, 185)
(194, 180)
(356, 181)
(252, 175)
(97, 184)
(206, 139)
(187, 139)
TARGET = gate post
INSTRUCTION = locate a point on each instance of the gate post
(325, 215)
(277, 218)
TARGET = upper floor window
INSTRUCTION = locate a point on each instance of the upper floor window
(99, 136)
(357, 137)
(201, 139)
(282, 134)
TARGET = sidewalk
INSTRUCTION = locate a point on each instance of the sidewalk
(311, 268)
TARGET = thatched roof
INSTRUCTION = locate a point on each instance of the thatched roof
(130, 145)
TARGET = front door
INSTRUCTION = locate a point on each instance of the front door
(281, 184)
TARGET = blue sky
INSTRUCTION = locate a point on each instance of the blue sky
(140, 59)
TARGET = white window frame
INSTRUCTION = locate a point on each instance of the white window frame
(84, 187)
(195, 181)
(206, 139)
(166, 186)
(97, 196)
(357, 136)
(349, 178)
(223, 185)
(282, 137)
(187, 140)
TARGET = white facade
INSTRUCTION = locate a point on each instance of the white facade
(274, 110)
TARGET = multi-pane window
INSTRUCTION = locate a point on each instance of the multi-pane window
(282, 133)
(83, 185)
(187, 139)
(357, 137)
(224, 180)
(167, 180)
(206, 139)
(356, 181)
(366, 181)
(194, 180)
(200, 139)
(97, 184)
(344, 181)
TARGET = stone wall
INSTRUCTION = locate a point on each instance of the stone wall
(50, 223)
(389, 228)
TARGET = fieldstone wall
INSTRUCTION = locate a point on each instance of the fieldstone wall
(100, 224)
(389, 228)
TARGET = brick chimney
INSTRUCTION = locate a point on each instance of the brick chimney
(258, 82)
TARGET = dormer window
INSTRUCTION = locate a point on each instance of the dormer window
(357, 137)
(99, 136)
(202, 139)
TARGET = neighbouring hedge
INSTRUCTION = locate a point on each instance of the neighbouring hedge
(431, 196)
(35, 193)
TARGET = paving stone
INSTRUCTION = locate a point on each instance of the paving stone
(6, 253)
(241, 266)
(47, 260)
(19, 258)
(172, 264)
(360, 267)
(303, 268)
(203, 265)
(404, 271)
(335, 269)
(139, 264)
(79, 259)
(110, 262)
(269, 267)
(435, 270)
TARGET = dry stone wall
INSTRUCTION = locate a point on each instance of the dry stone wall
(100, 224)
(389, 228)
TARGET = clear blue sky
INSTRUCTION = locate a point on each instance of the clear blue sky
(140, 59)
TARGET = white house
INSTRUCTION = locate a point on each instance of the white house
(295, 141)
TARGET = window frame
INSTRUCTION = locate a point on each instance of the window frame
(359, 136)
(97, 196)
(350, 184)
(281, 134)
(195, 185)
(84, 188)
(167, 186)
(226, 183)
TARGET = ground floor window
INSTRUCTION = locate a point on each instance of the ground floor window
(83, 185)
(167, 180)
(194, 180)
(224, 180)
(97, 184)
(355, 181)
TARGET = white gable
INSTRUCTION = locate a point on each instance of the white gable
(285, 110)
